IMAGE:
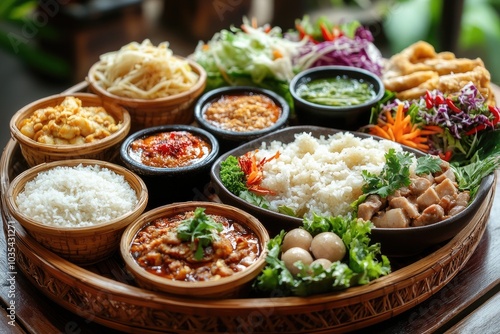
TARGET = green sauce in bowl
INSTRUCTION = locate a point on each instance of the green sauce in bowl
(338, 91)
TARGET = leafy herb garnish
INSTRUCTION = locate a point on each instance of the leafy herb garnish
(232, 176)
(200, 230)
(395, 174)
(428, 165)
(365, 261)
(484, 162)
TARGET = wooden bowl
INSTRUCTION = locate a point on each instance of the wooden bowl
(226, 287)
(175, 109)
(103, 149)
(81, 245)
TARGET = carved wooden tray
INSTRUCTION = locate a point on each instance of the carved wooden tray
(106, 294)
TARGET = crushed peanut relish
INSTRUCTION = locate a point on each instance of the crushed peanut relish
(242, 113)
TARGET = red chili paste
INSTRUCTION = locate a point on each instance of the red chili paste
(169, 149)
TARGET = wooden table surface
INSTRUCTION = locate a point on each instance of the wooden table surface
(469, 303)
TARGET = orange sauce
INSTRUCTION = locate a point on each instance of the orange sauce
(158, 250)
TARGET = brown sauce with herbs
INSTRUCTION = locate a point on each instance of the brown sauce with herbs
(169, 149)
(242, 113)
(157, 249)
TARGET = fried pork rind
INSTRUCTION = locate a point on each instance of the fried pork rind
(419, 68)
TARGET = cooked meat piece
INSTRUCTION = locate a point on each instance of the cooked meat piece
(403, 191)
(419, 185)
(430, 215)
(428, 198)
(429, 177)
(445, 165)
(462, 198)
(367, 209)
(447, 187)
(391, 218)
(403, 203)
(456, 209)
(448, 174)
(447, 202)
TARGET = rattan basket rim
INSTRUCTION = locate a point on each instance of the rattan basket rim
(193, 92)
(59, 149)
(113, 224)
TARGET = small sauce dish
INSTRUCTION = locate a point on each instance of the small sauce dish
(239, 114)
(339, 97)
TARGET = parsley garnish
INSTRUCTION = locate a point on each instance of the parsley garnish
(232, 176)
(396, 173)
(200, 230)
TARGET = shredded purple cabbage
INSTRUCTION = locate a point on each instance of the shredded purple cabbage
(471, 105)
(358, 52)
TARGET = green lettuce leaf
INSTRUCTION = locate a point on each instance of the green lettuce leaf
(363, 262)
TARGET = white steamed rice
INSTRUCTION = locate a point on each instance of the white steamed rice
(321, 175)
(76, 196)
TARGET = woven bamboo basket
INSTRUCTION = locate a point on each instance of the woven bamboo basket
(82, 245)
(103, 149)
(232, 286)
(175, 109)
(107, 294)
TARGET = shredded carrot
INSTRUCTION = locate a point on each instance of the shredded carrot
(254, 22)
(277, 54)
(398, 128)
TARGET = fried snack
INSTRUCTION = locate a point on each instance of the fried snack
(419, 68)
(69, 123)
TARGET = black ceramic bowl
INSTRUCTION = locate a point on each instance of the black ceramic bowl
(394, 241)
(340, 117)
(228, 138)
(167, 185)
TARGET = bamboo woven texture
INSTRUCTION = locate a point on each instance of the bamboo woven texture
(104, 149)
(83, 245)
(175, 109)
(105, 293)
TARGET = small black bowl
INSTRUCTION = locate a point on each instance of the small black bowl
(167, 185)
(338, 117)
(230, 139)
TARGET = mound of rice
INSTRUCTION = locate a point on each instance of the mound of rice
(76, 196)
(321, 175)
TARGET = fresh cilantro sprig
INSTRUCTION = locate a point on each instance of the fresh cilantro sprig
(395, 174)
(201, 230)
(428, 165)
